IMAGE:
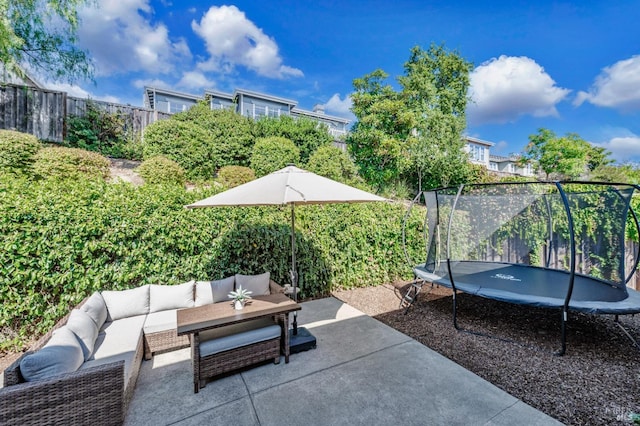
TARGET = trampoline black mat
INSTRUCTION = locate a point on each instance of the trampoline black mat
(531, 285)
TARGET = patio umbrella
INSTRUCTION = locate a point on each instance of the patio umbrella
(289, 186)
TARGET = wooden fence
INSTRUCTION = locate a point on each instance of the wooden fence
(35, 111)
(43, 113)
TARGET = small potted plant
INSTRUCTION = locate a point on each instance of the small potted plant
(240, 297)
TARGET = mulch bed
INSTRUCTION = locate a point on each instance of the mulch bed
(597, 381)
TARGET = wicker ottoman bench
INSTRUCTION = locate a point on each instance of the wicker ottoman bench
(229, 348)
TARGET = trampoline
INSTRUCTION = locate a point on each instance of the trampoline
(559, 245)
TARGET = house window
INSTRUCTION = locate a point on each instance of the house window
(511, 168)
(528, 169)
(476, 153)
(493, 166)
(176, 107)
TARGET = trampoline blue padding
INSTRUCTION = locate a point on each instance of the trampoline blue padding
(534, 286)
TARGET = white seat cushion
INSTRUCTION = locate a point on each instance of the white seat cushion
(164, 297)
(237, 335)
(257, 284)
(161, 321)
(208, 292)
(118, 340)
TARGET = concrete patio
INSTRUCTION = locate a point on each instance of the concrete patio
(362, 373)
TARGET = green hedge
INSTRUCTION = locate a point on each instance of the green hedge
(70, 163)
(273, 153)
(61, 242)
(161, 170)
(17, 151)
(232, 176)
(187, 143)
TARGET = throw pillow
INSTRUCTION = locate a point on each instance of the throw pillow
(208, 292)
(257, 284)
(85, 330)
(165, 297)
(127, 303)
(96, 308)
(62, 354)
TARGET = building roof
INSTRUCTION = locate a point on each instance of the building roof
(218, 94)
(320, 115)
(502, 159)
(265, 96)
(151, 91)
(479, 141)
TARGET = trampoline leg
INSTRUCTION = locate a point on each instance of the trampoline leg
(563, 349)
(455, 311)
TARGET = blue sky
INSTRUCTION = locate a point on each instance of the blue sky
(565, 66)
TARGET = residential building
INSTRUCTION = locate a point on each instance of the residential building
(478, 150)
(245, 102)
(257, 105)
(510, 165)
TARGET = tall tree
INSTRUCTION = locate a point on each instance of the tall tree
(41, 34)
(435, 87)
(414, 134)
(566, 157)
(380, 138)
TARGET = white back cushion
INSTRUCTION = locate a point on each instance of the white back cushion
(62, 354)
(257, 284)
(96, 308)
(208, 292)
(165, 297)
(127, 303)
(85, 330)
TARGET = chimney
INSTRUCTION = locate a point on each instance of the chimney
(318, 108)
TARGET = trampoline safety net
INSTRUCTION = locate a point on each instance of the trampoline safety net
(505, 240)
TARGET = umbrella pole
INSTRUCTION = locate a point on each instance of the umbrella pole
(303, 340)
(294, 273)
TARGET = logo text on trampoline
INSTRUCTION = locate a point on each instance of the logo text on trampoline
(506, 277)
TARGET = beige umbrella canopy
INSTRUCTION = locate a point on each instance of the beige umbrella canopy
(293, 186)
(290, 185)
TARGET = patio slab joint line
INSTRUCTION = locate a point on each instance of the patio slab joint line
(331, 366)
(503, 410)
(253, 407)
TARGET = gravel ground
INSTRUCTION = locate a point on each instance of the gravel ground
(597, 381)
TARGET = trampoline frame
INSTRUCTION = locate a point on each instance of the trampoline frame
(572, 244)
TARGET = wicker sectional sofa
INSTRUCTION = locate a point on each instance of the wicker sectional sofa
(85, 369)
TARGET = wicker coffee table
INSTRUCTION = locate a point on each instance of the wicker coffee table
(193, 321)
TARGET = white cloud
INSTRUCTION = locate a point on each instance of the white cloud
(121, 38)
(506, 88)
(79, 92)
(195, 80)
(155, 82)
(233, 40)
(337, 106)
(623, 148)
(617, 86)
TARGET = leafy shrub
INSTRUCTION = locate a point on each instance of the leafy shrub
(308, 135)
(98, 130)
(62, 242)
(232, 176)
(231, 138)
(184, 142)
(161, 170)
(17, 151)
(70, 163)
(332, 162)
(271, 154)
